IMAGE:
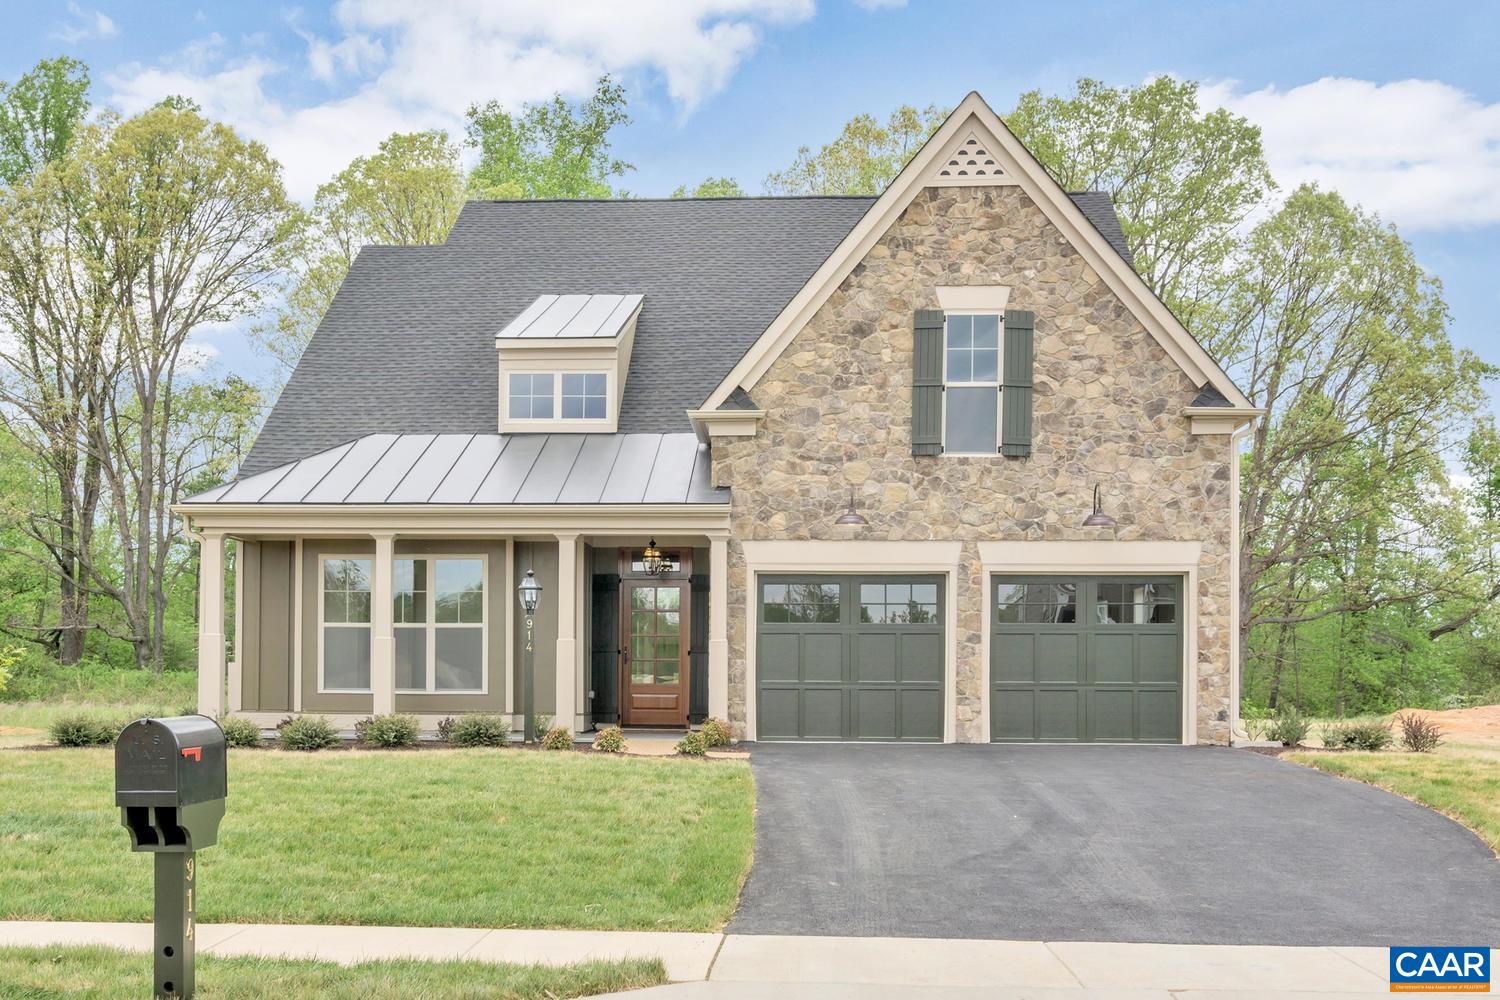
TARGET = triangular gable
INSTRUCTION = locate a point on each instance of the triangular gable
(949, 149)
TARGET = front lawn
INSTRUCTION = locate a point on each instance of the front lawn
(95, 973)
(497, 838)
(1461, 781)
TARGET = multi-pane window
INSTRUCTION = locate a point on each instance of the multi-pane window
(898, 603)
(655, 634)
(345, 624)
(583, 396)
(806, 602)
(531, 395)
(1036, 603)
(971, 377)
(439, 618)
(565, 395)
(1137, 604)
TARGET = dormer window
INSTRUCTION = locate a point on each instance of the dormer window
(563, 363)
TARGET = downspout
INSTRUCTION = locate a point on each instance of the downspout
(1235, 438)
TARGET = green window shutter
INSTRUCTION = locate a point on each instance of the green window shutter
(1015, 394)
(927, 383)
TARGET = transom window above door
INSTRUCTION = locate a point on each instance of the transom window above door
(971, 383)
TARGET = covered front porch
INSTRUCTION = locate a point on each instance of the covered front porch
(352, 609)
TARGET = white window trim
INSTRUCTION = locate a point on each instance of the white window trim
(996, 385)
(431, 625)
(324, 558)
(511, 424)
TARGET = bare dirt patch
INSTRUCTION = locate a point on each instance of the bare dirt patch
(1480, 724)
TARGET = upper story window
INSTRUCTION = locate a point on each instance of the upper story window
(531, 395)
(563, 363)
(583, 396)
(971, 379)
(557, 396)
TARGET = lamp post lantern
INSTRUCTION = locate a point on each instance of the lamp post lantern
(530, 593)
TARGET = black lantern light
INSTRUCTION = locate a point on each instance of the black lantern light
(530, 592)
(1098, 519)
(653, 562)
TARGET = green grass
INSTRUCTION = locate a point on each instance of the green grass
(96, 973)
(485, 838)
(1460, 781)
(41, 690)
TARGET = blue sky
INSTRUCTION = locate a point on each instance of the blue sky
(1400, 110)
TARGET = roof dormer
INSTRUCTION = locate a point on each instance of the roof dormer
(563, 363)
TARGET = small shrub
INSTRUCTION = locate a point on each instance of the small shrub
(716, 732)
(558, 738)
(388, 731)
(541, 723)
(692, 744)
(1418, 734)
(310, 732)
(478, 730)
(445, 729)
(83, 731)
(1371, 736)
(240, 732)
(1289, 729)
(610, 739)
(1332, 735)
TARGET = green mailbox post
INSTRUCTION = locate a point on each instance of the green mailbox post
(170, 785)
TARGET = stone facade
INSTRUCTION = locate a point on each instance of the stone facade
(1108, 409)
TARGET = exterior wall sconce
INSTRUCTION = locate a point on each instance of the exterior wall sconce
(1098, 519)
(851, 518)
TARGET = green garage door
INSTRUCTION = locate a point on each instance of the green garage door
(849, 658)
(1086, 659)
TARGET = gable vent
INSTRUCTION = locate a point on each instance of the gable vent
(971, 159)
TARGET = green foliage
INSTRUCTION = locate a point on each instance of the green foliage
(1372, 736)
(39, 115)
(1419, 734)
(388, 731)
(610, 739)
(1289, 728)
(36, 676)
(552, 149)
(240, 732)
(863, 159)
(308, 733)
(716, 732)
(9, 657)
(84, 730)
(477, 730)
(712, 187)
(692, 744)
(557, 738)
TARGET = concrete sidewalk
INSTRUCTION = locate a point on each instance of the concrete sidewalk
(743, 966)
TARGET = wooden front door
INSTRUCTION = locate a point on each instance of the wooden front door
(654, 624)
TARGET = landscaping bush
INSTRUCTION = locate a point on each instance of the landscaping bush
(476, 730)
(1289, 729)
(610, 739)
(388, 731)
(1419, 735)
(1371, 736)
(310, 732)
(716, 732)
(84, 731)
(1332, 735)
(558, 738)
(240, 732)
(692, 744)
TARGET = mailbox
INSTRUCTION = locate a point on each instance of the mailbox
(171, 782)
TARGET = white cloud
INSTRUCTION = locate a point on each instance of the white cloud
(1423, 154)
(404, 66)
(880, 4)
(85, 26)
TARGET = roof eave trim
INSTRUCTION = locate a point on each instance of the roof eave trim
(1029, 174)
(445, 520)
(709, 424)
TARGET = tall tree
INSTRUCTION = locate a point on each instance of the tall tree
(56, 314)
(711, 187)
(195, 227)
(552, 149)
(863, 159)
(1184, 180)
(407, 193)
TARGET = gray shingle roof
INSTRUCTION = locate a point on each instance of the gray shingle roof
(487, 469)
(408, 345)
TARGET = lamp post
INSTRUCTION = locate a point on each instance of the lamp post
(530, 593)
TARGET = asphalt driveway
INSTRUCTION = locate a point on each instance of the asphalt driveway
(1192, 845)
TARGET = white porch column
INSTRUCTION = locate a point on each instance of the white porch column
(382, 615)
(567, 631)
(718, 626)
(211, 624)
